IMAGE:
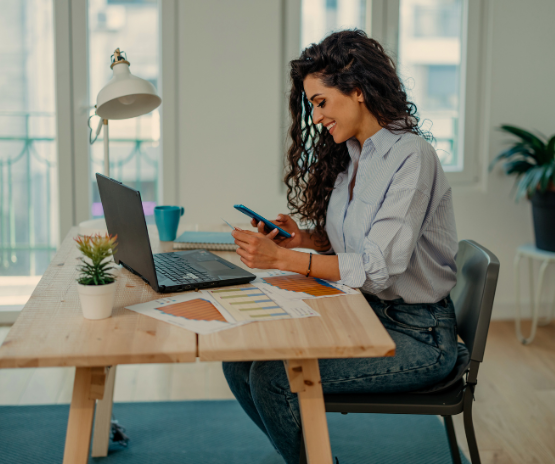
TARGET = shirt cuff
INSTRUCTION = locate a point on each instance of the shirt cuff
(375, 268)
(368, 270)
(351, 270)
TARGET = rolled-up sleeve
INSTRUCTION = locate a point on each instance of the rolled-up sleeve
(389, 244)
(391, 240)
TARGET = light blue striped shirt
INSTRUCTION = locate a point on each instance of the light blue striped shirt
(396, 238)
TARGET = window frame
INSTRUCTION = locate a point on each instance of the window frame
(72, 111)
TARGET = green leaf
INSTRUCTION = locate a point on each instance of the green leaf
(520, 149)
(546, 176)
(524, 183)
(537, 145)
(529, 182)
(535, 180)
(517, 167)
(550, 149)
(524, 135)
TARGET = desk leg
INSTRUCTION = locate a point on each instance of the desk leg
(304, 379)
(103, 418)
(87, 388)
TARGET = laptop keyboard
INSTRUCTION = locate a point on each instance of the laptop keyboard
(178, 270)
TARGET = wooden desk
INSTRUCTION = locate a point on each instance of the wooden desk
(51, 331)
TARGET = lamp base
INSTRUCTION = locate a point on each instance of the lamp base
(93, 226)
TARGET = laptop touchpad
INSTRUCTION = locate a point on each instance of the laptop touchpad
(214, 266)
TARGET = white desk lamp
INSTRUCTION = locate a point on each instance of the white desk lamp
(125, 96)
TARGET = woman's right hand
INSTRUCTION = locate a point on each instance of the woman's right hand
(286, 223)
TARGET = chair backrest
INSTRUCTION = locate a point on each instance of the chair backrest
(477, 272)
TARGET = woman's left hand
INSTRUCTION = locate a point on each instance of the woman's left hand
(257, 250)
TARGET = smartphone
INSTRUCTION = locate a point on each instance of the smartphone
(269, 225)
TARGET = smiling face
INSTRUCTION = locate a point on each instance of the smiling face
(344, 116)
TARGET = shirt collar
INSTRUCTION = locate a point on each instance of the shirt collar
(380, 143)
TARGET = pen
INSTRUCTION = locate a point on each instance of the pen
(234, 228)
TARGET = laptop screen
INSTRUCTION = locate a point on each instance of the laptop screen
(125, 217)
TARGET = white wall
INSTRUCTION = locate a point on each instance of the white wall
(230, 108)
(518, 74)
(229, 116)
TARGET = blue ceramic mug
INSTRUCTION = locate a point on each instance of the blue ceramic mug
(167, 220)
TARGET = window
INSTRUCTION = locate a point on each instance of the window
(321, 17)
(132, 26)
(430, 62)
(433, 19)
(28, 169)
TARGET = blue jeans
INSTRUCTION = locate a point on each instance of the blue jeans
(426, 351)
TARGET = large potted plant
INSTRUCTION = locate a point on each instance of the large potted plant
(532, 160)
(96, 284)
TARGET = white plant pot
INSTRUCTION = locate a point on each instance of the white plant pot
(97, 300)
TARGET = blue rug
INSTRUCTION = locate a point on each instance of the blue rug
(210, 432)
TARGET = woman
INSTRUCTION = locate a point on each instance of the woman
(363, 174)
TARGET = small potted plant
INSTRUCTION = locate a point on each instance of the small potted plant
(532, 160)
(96, 285)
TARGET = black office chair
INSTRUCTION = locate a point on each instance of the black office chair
(473, 296)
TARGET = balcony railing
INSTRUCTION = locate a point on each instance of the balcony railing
(29, 187)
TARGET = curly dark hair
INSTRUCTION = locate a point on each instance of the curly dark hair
(346, 60)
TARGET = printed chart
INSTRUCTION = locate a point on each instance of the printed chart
(301, 284)
(248, 303)
(192, 311)
(199, 310)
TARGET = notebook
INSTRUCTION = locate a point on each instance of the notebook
(220, 241)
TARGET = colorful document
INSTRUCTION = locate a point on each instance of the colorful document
(293, 286)
(195, 311)
(271, 296)
(199, 309)
(250, 303)
(209, 311)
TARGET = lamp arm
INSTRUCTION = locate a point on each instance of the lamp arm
(97, 132)
(106, 150)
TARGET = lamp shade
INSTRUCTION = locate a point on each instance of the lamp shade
(125, 95)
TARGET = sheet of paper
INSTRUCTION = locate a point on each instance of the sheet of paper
(292, 286)
(195, 311)
(251, 303)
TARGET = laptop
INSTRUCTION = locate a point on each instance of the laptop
(164, 272)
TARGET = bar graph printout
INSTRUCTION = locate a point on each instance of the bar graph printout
(199, 309)
(195, 311)
(249, 303)
(292, 286)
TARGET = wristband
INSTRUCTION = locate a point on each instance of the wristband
(309, 264)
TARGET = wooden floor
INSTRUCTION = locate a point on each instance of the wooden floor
(514, 413)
